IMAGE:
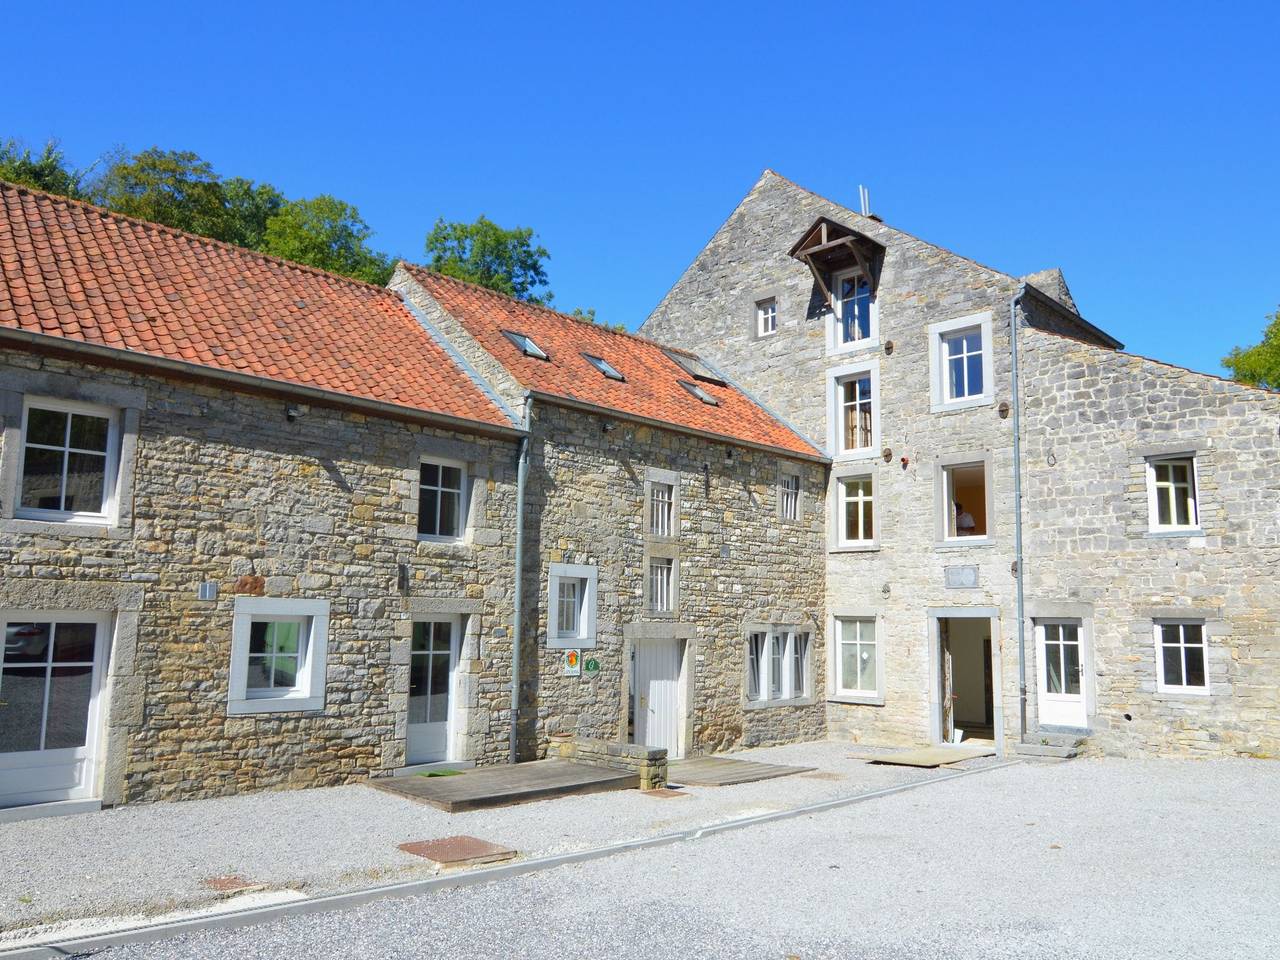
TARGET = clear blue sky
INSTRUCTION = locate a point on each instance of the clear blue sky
(1138, 147)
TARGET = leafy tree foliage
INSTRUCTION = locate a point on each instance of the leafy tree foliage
(1258, 365)
(249, 207)
(326, 233)
(508, 261)
(173, 187)
(47, 171)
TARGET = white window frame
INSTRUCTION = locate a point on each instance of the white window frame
(1183, 688)
(313, 640)
(464, 500)
(111, 476)
(948, 501)
(834, 344)
(790, 487)
(938, 389)
(839, 691)
(662, 511)
(836, 377)
(1153, 494)
(585, 638)
(662, 587)
(840, 500)
(766, 317)
(777, 690)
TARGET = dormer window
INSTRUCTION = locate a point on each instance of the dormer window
(695, 367)
(605, 367)
(525, 344)
(698, 392)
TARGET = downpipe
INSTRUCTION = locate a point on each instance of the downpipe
(1017, 513)
(517, 621)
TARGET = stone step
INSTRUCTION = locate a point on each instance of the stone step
(1058, 737)
(1054, 750)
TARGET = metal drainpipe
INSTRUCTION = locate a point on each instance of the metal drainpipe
(1017, 513)
(517, 625)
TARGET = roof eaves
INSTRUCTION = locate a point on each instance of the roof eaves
(1054, 304)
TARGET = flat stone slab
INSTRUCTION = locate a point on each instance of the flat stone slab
(461, 851)
(664, 793)
(934, 756)
(230, 883)
(726, 771)
(501, 786)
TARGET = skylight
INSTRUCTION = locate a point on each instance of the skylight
(525, 344)
(604, 366)
(695, 367)
(698, 392)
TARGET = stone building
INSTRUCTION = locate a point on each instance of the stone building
(1150, 611)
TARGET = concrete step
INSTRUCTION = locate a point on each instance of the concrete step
(1054, 750)
(1058, 736)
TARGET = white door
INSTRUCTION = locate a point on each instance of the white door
(1062, 694)
(433, 659)
(657, 679)
(50, 680)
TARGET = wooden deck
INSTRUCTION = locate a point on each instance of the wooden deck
(725, 771)
(501, 786)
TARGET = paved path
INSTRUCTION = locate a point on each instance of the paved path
(1090, 859)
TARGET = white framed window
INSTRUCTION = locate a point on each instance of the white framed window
(69, 466)
(571, 606)
(855, 321)
(778, 665)
(1171, 494)
(857, 658)
(789, 495)
(961, 363)
(855, 511)
(1182, 657)
(279, 649)
(766, 317)
(442, 488)
(661, 584)
(853, 410)
(965, 502)
(662, 502)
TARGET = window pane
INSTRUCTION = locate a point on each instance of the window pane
(421, 636)
(286, 673)
(867, 667)
(955, 367)
(47, 427)
(258, 676)
(798, 653)
(1071, 667)
(1178, 472)
(89, 433)
(42, 479)
(1195, 666)
(975, 375)
(419, 670)
(429, 474)
(26, 643)
(258, 636)
(428, 504)
(438, 712)
(1182, 503)
(73, 642)
(755, 652)
(777, 644)
(849, 666)
(68, 720)
(448, 514)
(1172, 665)
(21, 708)
(1170, 633)
(442, 636)
(451, 478)
(1164, 511)
(283, 636)
(86, 482)
(867, 529)
(1053, 667)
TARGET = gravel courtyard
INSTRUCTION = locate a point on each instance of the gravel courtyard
(1094, 858)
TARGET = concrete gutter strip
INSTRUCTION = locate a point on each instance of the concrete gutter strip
(413, 888)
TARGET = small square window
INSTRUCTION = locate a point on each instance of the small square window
(441, 500)
(766, 317)
(69, 462)
(962, 364)
(857, 511)
(1182, 657)
(1171, 494)
(965, 501)
(661, 585)
(278, 655)
(777, 665)
(571, 606)
(525, 344)
(789, 496)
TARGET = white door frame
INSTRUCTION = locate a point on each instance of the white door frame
(1063, 710)
(455, 649)
(90, 755)
(991, 614)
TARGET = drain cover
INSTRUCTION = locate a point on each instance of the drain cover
(458, 851)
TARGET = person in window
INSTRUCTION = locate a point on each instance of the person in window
(965, 525)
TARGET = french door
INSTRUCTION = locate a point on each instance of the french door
(433, 660)
(1059, 653)
(50, 684)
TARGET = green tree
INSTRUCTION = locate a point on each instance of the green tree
(508, 261)
(173, 187)
(326, 233)
(1258, 365)
(48, 171)
(249, 206)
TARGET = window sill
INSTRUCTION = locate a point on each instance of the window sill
(963, 543)
(101, 530)
(857, 346)
(861, 700)
(855, 548)
(851, 456)
(251, 705)
(969, 403)
(1174, 533)
(571, 643)
(768, 704)
(1190, 693)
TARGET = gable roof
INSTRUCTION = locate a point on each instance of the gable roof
(656, 379)
(78, 272)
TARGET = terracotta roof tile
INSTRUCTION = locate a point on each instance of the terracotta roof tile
(76, 271)
(652, 386)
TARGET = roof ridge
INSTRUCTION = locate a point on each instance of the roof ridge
(189, 236)
(525, 304)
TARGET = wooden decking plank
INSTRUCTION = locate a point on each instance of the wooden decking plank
(507, 785)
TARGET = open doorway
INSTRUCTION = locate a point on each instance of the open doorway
(967, 685)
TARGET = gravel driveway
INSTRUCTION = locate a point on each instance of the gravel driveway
(154, 857)
(1091, 859)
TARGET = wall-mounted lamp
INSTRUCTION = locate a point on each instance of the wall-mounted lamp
(887, 454)
(294, 411)
(906, 462)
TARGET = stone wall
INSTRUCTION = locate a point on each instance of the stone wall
(648, 763)
(224, 487)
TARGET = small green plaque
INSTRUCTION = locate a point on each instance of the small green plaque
(590, 666)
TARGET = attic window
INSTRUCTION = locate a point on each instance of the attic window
(525, 344)
(695, 368)
(605, 367)
(698, 392)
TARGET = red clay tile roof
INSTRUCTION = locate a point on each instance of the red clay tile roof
(652, 387)
(68, 269)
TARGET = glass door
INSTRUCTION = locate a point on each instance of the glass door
(1062, 697)
(432, 661)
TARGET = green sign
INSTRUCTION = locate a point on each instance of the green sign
(590, 666)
